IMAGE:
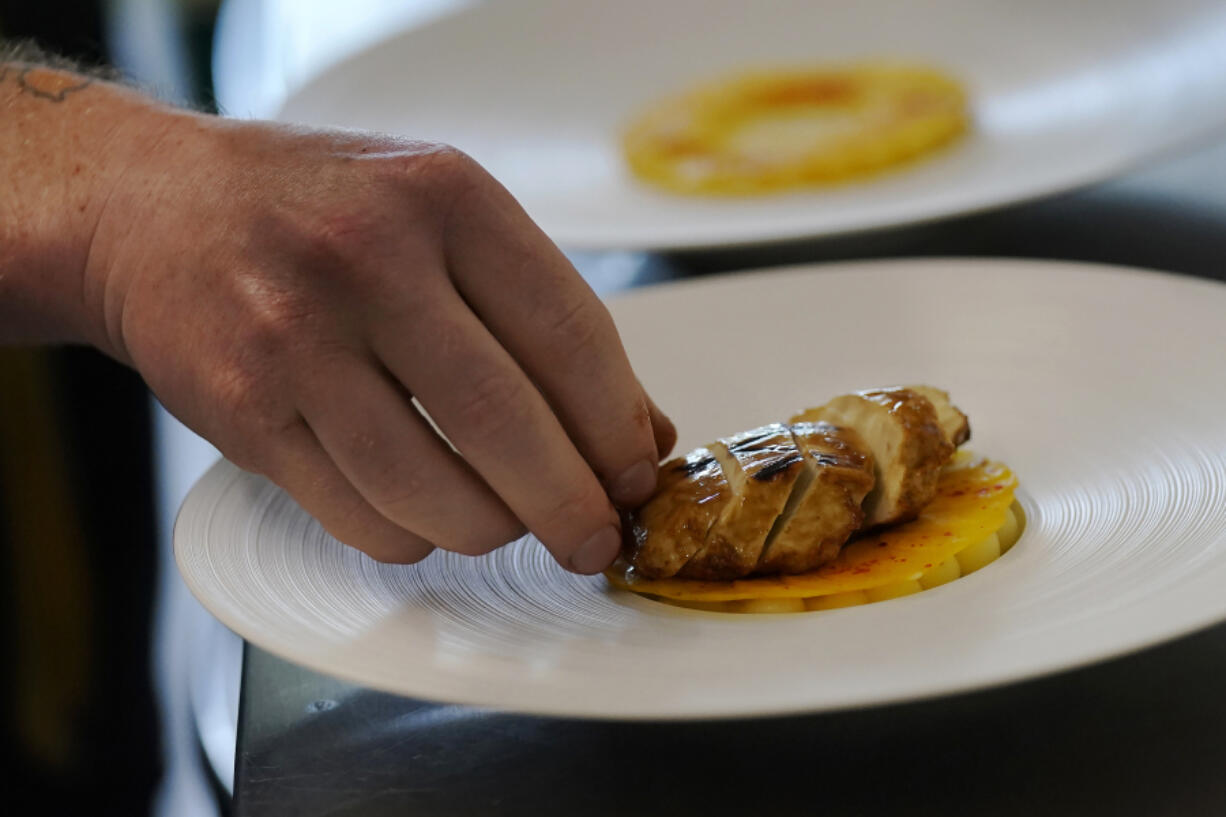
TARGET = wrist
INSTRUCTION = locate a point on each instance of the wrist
(67, 144)
(144, 157)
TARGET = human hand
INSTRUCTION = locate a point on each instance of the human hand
(285, 292)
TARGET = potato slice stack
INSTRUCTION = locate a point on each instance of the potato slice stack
(766, 131)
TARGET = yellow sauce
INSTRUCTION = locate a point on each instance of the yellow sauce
(765, 131)
(970, 523)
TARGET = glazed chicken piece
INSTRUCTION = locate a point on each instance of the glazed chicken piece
(789, 498)
(952, 421)
(664, 534)
(909, 448)
(784, 499)
(824, 508)
(761, 466)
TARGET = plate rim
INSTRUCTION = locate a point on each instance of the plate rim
(223, 469)
(223, 473)
(973, 201)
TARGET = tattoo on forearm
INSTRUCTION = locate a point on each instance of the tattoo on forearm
(42, 75)
(50, 85)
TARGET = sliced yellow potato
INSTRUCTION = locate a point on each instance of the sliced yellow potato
(981, 553)
(893, 591)
(709, 606)
(765, 606)
(768, 130)
(944, 573)
(1011, 529)
(837, 600)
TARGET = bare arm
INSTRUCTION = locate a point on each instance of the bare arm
(57, 154)
(286, 291)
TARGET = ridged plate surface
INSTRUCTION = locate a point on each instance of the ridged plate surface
(1104, 389)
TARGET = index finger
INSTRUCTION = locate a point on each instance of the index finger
(542, 311)
(498, 420)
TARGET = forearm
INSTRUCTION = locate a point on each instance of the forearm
(66, 140)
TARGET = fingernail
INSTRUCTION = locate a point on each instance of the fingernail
(598, 552)
(666, 438)
(662, 427)
(635, 484)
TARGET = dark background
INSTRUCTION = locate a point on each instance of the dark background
(78, 548)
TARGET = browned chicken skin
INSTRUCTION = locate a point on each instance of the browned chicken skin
(909, 448)
(824, 509)
(952, 421)
(666, 532)
(761, 466)
(785, 498)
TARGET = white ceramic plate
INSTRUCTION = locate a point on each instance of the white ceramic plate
(1102, 387)
(1064, 94)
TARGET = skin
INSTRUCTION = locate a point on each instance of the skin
(289, 293)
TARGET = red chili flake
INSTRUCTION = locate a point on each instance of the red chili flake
(928, 565)
(948, 533)
(955, 493)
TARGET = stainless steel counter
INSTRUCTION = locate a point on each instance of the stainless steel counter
(1144, 735)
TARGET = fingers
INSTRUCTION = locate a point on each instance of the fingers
(554, 326)
(495, 416)
(386, 450)
(662, 428)
(302, 467)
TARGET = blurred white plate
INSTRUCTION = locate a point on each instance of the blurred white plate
(1102, 387)
(1065, 94)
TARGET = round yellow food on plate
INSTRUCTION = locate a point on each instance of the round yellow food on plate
(971, 522)
(765, 131)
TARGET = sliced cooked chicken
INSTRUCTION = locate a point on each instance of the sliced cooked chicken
(952, 421)
(824, 508)
(782, 499)
(666, 532)
(761, 467)
(909, 448)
